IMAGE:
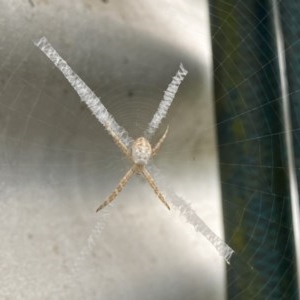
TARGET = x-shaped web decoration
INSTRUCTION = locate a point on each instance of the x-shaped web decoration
(139, 150)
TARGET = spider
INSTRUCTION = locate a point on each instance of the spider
(140, 153)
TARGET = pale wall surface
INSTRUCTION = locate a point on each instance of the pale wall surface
(58, 164)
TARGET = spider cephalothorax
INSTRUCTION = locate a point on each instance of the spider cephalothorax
(141, 151)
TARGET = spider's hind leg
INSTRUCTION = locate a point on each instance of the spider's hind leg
(154, 187)
(118, 189)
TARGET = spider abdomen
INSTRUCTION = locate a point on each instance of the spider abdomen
(141, 151)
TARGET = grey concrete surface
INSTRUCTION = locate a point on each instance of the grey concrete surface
(58, 164)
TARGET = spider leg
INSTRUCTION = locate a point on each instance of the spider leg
(154, 187)
(119, 188)
(157, 146)
(119, 143)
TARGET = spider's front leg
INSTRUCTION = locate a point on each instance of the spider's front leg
(119, 188)
(157, 146)
(119, 143)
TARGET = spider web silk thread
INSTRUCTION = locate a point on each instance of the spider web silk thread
(190, 215)
(166, 102)
(71, 279)
(107, 120)
(85, 93)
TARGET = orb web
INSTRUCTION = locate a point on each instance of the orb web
(252, 145)
(54, 154)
